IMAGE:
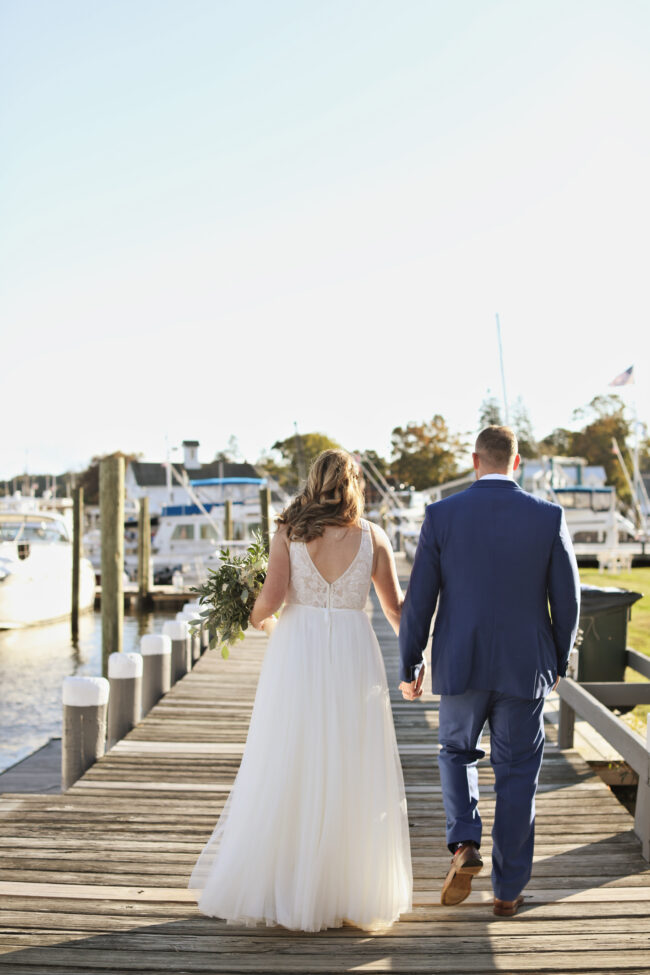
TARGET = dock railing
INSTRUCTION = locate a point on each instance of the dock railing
(592, 702)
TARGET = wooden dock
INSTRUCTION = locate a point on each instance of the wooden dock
(94, 880)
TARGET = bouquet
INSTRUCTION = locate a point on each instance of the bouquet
(228, 596)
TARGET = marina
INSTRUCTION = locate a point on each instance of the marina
(95, 879)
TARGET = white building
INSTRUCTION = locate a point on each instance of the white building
(163, 488)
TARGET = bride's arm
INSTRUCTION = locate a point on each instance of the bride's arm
(276, 583)
(384, 576)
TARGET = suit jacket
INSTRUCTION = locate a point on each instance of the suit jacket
(500, 565)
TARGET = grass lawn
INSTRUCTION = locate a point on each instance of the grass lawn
(638, 628)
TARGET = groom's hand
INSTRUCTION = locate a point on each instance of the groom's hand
(412, 690)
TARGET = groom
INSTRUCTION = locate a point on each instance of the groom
(500, 566)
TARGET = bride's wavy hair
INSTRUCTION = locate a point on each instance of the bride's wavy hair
(333, 495)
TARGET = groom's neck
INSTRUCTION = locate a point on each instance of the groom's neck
(482, 471)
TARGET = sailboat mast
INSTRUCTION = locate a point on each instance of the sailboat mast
(506, 414)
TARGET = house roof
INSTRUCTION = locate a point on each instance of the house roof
(155, 475)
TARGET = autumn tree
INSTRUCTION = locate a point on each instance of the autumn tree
(606, 421)
(427, 453)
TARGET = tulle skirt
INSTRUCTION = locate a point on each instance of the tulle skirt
(315, 830)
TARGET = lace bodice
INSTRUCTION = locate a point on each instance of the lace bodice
(307, 587)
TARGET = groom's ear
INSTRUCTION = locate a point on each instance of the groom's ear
(475, 460)
(516, 462)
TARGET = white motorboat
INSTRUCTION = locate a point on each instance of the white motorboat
(36, 563)
(189, 537)
(597, 528)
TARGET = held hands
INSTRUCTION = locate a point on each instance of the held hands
(412, 690)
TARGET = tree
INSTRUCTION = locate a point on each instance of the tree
(523, 427)
(380, 463)
(489, 412)
(425, 454)
(232, 453)
(558, 443)
(89, 478)
(290, 459)
(607, 421)
(373, 464)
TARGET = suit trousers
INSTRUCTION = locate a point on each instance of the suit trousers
(516, 749)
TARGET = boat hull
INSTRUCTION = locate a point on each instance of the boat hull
(38, 589)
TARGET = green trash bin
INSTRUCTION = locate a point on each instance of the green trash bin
(603, 621)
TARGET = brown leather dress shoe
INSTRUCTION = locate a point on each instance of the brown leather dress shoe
(507, 908)
(465, 864)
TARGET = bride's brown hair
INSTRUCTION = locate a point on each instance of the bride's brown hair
(333, 495)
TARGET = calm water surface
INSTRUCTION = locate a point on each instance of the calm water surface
(33, 663)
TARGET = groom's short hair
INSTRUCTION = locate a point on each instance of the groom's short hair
(497, 446)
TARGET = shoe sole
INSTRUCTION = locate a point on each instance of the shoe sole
(459, 886)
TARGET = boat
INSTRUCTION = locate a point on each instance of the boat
(189, 537)
(36, 562)
(600, 532)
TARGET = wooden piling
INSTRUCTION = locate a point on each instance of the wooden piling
(265, 505)
(144, 554)
(227, 520)
(111, 503)
(85, 702)
(125, 698)
(156, 650)
(77, 531)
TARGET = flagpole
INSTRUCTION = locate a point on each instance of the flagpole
(503, 374)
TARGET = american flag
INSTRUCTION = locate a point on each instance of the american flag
(624, 378)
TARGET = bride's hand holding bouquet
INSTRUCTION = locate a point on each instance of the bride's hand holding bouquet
(228, 595)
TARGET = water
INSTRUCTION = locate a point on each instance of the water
(33, 663)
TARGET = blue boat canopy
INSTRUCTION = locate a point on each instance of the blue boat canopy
(229, 480)
(584, 489)
(193, 509)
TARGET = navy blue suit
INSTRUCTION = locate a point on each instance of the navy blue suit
(500, 567)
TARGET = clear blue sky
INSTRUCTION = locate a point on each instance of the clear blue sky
(220, 218)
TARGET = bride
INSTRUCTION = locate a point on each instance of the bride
(315, 830)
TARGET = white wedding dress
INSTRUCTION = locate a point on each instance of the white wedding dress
(315, 829)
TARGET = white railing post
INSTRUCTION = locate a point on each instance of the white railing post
(642, 808)
(566, 714)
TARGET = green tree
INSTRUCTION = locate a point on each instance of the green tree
(290, 459)
(426, 453)
(88, 479)
(380, 463)
(523, 427)
(558, 443)
(489, 412)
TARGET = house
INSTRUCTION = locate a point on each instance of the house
(163, 486)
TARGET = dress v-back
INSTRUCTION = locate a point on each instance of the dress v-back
(350, 590)
(315, 829)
